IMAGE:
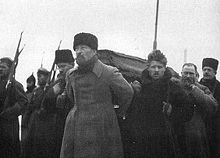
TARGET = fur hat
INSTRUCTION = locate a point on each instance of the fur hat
(6, 60)
(85, 39)
(210, 62)
(43, 71)
(63, 56)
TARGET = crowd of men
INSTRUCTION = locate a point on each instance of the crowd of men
(159, 116)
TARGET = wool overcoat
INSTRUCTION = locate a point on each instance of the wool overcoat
(213, 122)
(92, 129)
(196, 140)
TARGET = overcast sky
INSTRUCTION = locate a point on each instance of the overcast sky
(125, 26)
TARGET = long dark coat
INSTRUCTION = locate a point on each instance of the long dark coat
(12, 103)
(91, 129)
(28, 119)
(196, 139)
(46, 127)
(213, 123)
(151, 130)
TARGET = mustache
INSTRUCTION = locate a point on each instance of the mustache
(188, 80)
(155, 73)
(206, 74)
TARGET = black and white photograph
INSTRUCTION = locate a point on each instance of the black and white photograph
(109, 79)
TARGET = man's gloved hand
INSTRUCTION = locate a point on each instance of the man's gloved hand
(57, 88)
(136, 86)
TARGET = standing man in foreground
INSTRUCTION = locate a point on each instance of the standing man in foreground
(160, 106)
(12, 102)
(91, 129)
(209, 68)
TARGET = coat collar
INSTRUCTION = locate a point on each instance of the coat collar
(97, 69)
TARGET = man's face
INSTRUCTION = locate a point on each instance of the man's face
(83, 54)
(208, 73)
(64, 67)
(30, 83)
(156, 70)
(4, 69)
(41, 79)
(188, 74)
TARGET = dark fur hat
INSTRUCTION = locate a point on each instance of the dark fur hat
(63, 56)
(156, 55)
(85, 39)
(6, 60)
(210, 62)
(43, 71)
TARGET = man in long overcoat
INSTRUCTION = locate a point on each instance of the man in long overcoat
(12, 102)
(160, 105)
(195, 135)
(209, 69)
(91, 129)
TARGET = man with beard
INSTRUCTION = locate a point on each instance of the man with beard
(193, 140)
(92, 129)
(160, 106)
(33, 106)
(209, 68)
(12, 102)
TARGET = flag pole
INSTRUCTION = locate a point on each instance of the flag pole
(156, 22)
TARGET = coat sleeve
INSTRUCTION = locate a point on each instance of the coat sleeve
(205, 100)
(122, 89)
(19, 104)
(182, 107)
(68, 91)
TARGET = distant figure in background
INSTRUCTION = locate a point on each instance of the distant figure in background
(12, 102)
(195, 144)
(91, 129)
(50, 124)
(30, 85)
(209, 69)
(33, 106)
(46, 130)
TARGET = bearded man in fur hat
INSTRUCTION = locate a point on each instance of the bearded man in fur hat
(209, 69)
(92, 129)
(160, 106)
(13, 101)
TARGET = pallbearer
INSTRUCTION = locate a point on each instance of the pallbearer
(91, 129)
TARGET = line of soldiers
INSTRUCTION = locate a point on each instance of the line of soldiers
(159, 116)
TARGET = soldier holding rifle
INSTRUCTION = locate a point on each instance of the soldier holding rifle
(47, 123)
(12, 102)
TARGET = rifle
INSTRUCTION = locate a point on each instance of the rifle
(11, 75)
(52, 69)
(49, 80)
